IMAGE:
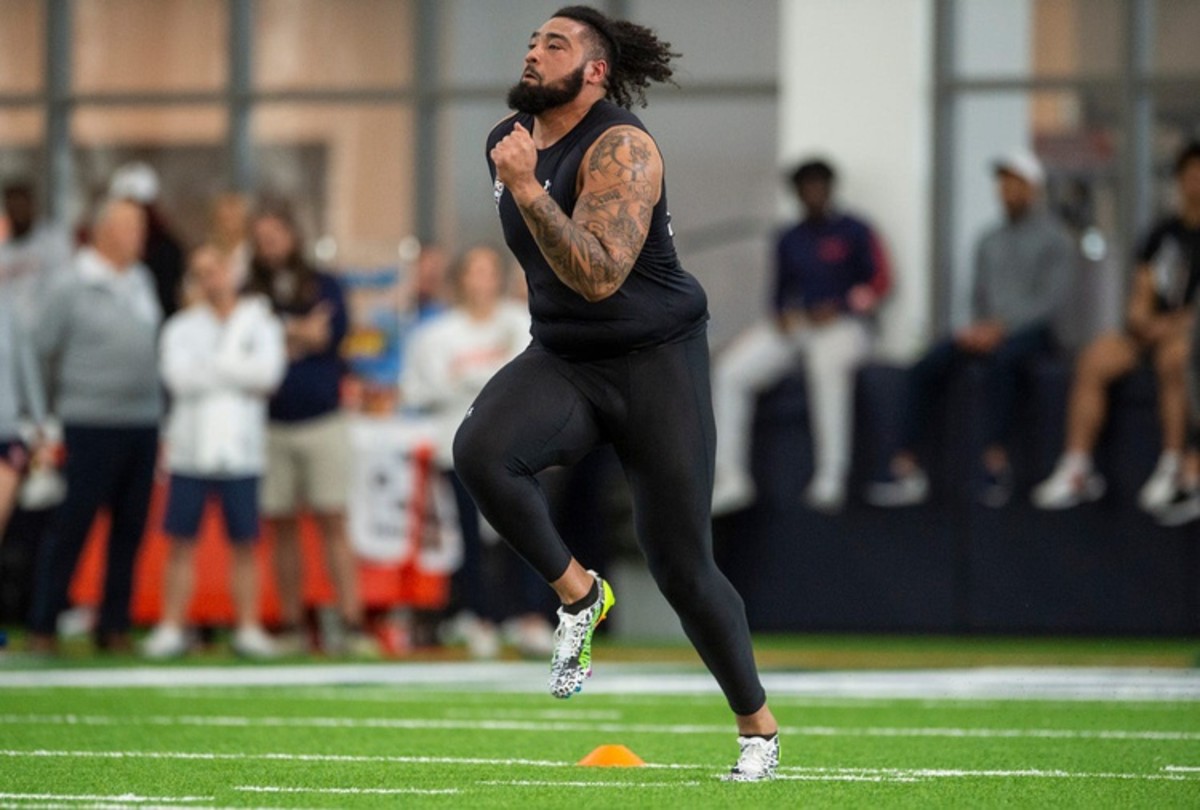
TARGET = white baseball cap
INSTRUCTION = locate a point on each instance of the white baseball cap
(135, 181)
(1021, 163)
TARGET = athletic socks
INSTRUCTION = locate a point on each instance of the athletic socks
(575, 608)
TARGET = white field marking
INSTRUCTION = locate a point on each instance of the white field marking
(209, 756)
(542, 714)
(412, 724)
(1182, 768)
(552, 783)
(406, 791)
(130, 798)
(993, 683)
(909, 774)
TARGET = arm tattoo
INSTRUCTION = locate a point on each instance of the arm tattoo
(594, 252)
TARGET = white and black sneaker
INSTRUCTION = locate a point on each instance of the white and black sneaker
(572, 661)
(757, 761)
(1183, 508)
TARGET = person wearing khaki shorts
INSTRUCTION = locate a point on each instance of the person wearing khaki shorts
(307, 450)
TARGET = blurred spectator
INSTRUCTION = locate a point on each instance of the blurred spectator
(163, 252)
(830, 274)
(1158, 324)
(35, 255)
(307, 445)
(450, 359)
(1023, 271)
(21, 394)
(427, 292)
(229, 231)
(220, 359)
(98, 339)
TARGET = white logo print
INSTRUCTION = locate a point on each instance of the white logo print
(498, 191)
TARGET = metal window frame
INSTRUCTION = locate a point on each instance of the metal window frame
(426, 94)
(1134, 81)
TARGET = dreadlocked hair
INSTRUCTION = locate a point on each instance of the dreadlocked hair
(635, 56)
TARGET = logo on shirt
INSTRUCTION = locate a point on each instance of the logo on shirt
(498, 190)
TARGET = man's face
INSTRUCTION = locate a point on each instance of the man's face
(1016, 193)
(1189, 182)
(814, 196)
(18, 207)
(554, 67)
(122, 235)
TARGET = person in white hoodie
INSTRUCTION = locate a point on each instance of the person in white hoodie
(220, 358)
(449, 360)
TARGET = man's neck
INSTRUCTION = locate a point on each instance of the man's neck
(223, 305)
(556, 122)
(111, 259)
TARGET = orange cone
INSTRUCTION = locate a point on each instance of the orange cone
(612, 756)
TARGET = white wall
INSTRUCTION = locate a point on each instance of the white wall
(856, 85)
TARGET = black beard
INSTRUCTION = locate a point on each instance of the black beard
(535, 99)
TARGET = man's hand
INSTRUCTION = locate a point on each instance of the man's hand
(982, 337)
(515, 157)
(311, 333)
(862, 299)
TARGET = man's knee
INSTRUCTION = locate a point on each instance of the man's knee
(1170, 361)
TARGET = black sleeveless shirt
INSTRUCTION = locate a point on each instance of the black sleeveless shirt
(658, 302)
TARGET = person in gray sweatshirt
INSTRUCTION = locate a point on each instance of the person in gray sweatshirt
(21, 395)
(1024, 268)
(97, 338)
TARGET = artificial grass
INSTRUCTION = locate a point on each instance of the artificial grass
(483, 749)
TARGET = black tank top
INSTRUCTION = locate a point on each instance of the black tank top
(658, 303)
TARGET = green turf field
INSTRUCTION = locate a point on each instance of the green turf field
(480, 744)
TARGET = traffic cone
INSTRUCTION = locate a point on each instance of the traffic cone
(612, 756)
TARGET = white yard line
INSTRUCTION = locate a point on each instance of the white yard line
(990, 683)
(795, 773)
(552, 783)
(560, 726)
(349, 791)
(126, 798)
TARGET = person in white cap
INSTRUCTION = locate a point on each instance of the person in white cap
(163, 252)
(1158, 325)
(1023, 271)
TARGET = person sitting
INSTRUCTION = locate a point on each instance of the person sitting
(831, 274)
(1158, 326)
(1023, 272)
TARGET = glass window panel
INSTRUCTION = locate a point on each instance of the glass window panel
(184, 144)
(149, 45)
(484, 48)
(333, 43)
(716, 42)
(1177, 38)
(1037, 38)
(1078, 140)
(22, 46)
(347, 171)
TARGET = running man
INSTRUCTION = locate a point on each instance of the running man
(619, 355)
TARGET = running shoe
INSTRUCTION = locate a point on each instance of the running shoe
(905, 489)
(1159, 490)
(757, 761)
(1068, 487)
(572, 662)
(166, 641)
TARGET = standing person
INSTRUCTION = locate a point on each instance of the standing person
(162, 253)
(229, 231)
(1023, 272)
(830, 275)
(307, 444)
(619, 355)
(1158, 325)
(220, 358)
(36, 255)
(98, 337)
(21, 394)
(450, 359)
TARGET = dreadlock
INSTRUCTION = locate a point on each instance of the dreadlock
(635, 56)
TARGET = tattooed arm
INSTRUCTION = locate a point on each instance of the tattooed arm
(619, 185)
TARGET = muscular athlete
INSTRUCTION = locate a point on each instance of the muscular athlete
(619, 355)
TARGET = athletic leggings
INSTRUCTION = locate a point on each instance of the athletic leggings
(655, 407)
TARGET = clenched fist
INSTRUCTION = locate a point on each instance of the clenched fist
(515, 157)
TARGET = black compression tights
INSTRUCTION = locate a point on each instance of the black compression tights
(655, 407)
